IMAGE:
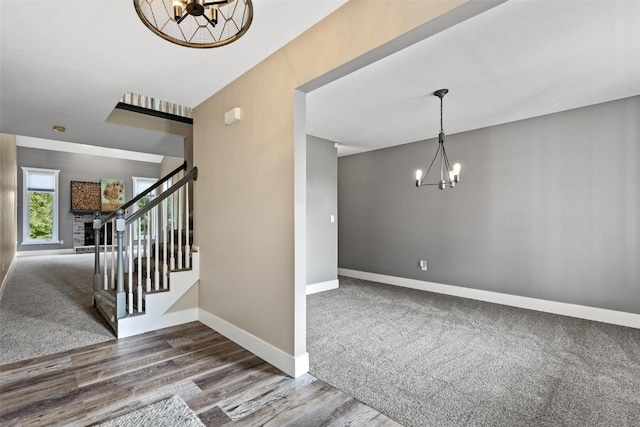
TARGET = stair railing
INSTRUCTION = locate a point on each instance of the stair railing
(150, 213)
(98, 224)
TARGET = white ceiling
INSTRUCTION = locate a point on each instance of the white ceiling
(518, 60)
(69, 62)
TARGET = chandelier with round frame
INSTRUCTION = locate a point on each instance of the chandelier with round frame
(196, 23)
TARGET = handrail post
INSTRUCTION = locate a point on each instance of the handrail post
(97, 224)
(121, 304)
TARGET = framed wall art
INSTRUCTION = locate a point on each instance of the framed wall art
(85, 196)
(111, 193)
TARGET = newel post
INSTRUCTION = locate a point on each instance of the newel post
(121, 304)
(97, 224)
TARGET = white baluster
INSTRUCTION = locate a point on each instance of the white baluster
(148, 251)
(165, 221)
(105, 281)
(187, 247)
(113, 253)
(156, 231)
(180, 228)
(172, 260)
(140, 255)
(130, 259)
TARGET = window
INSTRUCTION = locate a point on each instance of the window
(169, 201)
(140, 185)
(40, 206)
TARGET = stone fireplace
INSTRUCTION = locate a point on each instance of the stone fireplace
(83, 235)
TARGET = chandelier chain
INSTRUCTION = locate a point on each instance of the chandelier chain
(441, 125)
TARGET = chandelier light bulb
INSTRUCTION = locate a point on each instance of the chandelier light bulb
(177, 9)
(418, 174)
(454, 174)
(455, 177)
(214, 15)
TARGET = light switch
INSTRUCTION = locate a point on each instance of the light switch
(333, 218)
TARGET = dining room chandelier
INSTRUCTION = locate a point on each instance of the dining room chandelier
(449, 176)
(196, 23)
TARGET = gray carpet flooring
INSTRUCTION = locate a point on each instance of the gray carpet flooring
(426, 359)
(45, 307)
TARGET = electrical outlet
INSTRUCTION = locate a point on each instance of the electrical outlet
(423, 265)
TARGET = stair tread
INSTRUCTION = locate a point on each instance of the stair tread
(110, 294)
(105, 303)
(105, 296)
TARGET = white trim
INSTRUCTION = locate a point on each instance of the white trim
(152, 182)
(292, 366)
(177, 318)
(621, 318)
(89, 150)
(6, 276)
(322, 286)
(38, 242)
(44, 252)
(55, 238)
(299, 223)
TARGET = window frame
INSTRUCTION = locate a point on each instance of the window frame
(154, 194)
(26, 207)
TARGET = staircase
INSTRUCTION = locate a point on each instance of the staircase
(153, 264)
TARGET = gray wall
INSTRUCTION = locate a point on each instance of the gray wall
(76, 167)
(322, 202)
(546, 208)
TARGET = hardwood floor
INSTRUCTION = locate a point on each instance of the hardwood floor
(219, 380)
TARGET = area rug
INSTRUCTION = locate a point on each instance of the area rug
(172, 412)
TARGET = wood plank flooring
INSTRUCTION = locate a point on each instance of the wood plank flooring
(220, 381)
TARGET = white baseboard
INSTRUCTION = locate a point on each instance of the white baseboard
(322, 286)
(177, 318)
(621, 318)
(7, 275)
(44, 252)
(136, 325)
(292, 366)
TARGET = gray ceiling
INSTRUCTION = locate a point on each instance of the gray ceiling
(70, 65)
